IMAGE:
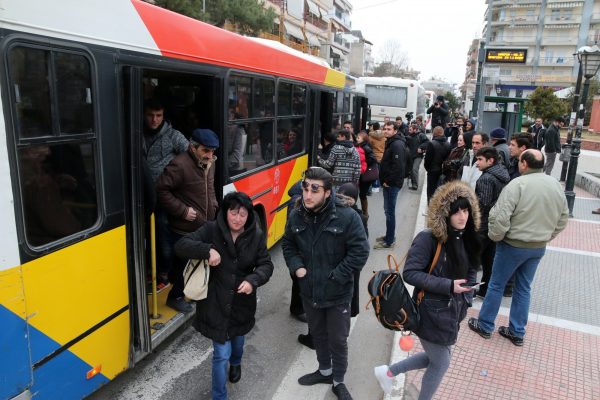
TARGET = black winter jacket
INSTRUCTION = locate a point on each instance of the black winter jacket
(225, 313)
(417, 140)
(439, 115)
(331, 245)
(369, 155)
(438, 150)
(488, 188)
(441, 310)
(393, 163)
(552, 139)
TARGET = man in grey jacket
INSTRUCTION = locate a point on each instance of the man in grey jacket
(530, 212)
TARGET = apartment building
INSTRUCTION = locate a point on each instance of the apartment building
(550, 31)
(467, 89)
(361, 57)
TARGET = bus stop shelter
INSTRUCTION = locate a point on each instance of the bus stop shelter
(511, 121)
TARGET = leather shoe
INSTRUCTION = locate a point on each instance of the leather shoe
(306, 340)
(235, 373)
(505, 332)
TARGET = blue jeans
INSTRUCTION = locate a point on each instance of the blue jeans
(508, 260)
(225, 354)
(390, 195)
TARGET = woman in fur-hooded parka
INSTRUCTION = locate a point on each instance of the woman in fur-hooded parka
(445, 302)
(459, 259)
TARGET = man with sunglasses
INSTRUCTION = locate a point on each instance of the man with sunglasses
(186, 191)
(324, 244)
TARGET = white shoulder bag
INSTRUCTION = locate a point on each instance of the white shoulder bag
(195, 279)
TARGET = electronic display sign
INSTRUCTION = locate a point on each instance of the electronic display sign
(506, 56)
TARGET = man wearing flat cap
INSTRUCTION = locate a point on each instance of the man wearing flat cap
(186, 190)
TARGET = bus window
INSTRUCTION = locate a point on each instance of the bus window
(58, 190)
(264, 98)
(249, 146)
(240, 88)
(29, 72)
(284, 102)
(290, 137)
(299, 100)
(74, 93)
(53, 96)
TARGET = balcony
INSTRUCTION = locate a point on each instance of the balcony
(567, 40)
(552, 20)
(521, 20)
(514, 40)
(595, 18)
(557, 61)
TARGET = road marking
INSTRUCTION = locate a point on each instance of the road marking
(586, 198)
(573, 251)
(551, 321)
(585, 221)
(305, 362)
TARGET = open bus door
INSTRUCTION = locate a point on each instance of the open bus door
(360, 115)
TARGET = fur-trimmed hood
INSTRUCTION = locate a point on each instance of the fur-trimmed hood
(439, 207)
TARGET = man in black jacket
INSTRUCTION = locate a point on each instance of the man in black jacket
(494, 177)
(417, 143)
(552, 144)
(324, 244)
(439, 112)
(537, 130)
(391, 175)
(437, 151)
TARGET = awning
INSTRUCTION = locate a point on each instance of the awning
(313, 40)
(313, 8)
(337, 52)
(293, 30)
(324, 14)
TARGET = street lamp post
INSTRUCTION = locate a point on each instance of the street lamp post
(572, 125)
(589, 58)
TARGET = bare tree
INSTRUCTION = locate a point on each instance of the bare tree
(391, 53)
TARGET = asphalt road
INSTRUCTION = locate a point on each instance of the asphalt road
(273, 359)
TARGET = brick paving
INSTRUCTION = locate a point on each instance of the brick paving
(561, 355)
(554, 363)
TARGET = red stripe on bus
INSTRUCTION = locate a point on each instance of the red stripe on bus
(185, 38)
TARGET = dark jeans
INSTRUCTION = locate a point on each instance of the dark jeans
(390, 195)
(330, 328)
(177, 266)
(164, 249)
(432, 183)
(488, 250)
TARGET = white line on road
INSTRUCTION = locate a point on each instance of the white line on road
(306, 362)
(585, 221)
(573, 251)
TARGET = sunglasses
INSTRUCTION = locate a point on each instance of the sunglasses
(313, 187)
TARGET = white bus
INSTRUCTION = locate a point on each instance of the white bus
(392, 97)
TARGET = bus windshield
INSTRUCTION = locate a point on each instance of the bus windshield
(383, 95)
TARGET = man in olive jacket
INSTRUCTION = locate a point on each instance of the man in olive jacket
(530, 212)
(323, 245)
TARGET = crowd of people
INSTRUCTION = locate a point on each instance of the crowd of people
(486, 194)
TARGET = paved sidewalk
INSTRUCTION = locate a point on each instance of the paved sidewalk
(561, 355)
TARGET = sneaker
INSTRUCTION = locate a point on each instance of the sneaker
(413, 187)
(341, 391)
(504, 331)
(380, 239)
(383, 245)
(307, 341)
(179, 304)
(382, 377)
(314, 378)
(375, 190)
(474, 326)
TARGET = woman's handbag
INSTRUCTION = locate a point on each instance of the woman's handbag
(195, 279)
(371, 174)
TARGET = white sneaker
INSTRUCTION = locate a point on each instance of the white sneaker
(375, 190)
(384, 380)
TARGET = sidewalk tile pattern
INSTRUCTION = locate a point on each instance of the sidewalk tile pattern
(554, 363)
(579, 235)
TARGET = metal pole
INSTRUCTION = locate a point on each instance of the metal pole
(572, 126)
(575, 150)
(480, 60)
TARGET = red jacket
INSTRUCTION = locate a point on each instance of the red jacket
(184, 183)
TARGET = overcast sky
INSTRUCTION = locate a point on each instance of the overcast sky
(435, 34)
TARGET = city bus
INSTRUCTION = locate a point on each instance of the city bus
(77, 239)
(391, 97)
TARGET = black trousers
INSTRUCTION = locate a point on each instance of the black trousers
(488, 251)
(330, 328)
(432, 183)
(296, 306)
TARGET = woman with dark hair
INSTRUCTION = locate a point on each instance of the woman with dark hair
(236, 250)
(452, 166)
(453, 221)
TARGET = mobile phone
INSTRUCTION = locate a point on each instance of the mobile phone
(472, 285)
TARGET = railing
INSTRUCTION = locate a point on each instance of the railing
(559, 39)
(574, 19)
(557, 61)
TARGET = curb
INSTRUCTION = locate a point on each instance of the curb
(588, 182)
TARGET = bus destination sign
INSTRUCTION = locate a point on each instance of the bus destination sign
(508, 56)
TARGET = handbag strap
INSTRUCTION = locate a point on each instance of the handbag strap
(391, 258)
(438, 250)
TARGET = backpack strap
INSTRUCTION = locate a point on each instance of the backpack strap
(391, 258)
(438, 250)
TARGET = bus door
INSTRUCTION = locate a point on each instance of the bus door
(321, 106)
(360, 108)
(190, 101)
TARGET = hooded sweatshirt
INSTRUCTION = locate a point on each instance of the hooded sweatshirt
(344, 161)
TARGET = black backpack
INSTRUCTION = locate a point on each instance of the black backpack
(394, 307)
